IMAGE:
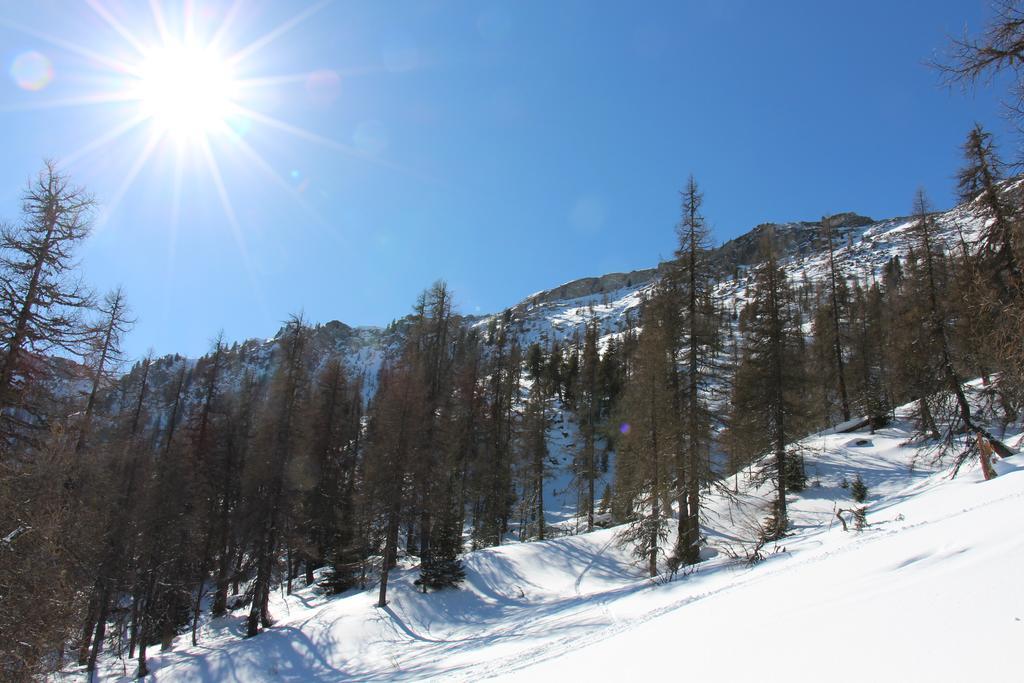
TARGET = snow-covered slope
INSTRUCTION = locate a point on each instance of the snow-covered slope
(930, 590)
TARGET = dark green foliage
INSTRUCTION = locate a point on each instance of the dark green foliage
(860, 518)
(768, 409)
(796, 474)
(859, 490)
(441, 566)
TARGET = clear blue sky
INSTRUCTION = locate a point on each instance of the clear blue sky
(505, 147)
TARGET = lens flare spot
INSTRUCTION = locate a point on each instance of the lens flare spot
(400, 54)
(323, 86)
(371, 137)
(239, 125)
(32, 71)
(624, 428)
(588, 214)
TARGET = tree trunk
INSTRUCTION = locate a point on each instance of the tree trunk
(101, 629)
(390, 550)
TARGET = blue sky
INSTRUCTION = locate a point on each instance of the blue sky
(504, 147)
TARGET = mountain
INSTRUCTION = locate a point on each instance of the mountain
(864, 246)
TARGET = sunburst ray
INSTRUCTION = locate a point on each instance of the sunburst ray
(236, 228)
(118, 27)
(133, 172)
(276, 33)
(310, 136)
(111, 63)
(79, 101)
(104, 139)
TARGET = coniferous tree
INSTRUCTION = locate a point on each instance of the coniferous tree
(41, 298)
(204, 451)
(105, 357)
(1000, 49)
(767, 397)
(535, 452)
(834, 279)
(396, 415)
(162, 595)
(994, 278)
(698, 338)
(332, 436)
(238, 428)
(934, 323)
(588, 401)
(646, 445)
(270, 471)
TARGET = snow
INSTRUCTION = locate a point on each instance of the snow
(930, 590)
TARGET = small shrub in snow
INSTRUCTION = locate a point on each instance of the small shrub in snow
(796, 476)
(606, 500)
(441, 567)
(859, 515)
(860, 518)
(772, 528)
(859, 490)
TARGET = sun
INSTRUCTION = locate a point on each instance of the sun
(185, 90)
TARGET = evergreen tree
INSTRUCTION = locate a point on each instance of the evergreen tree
(535, 452)
(767, 398)
(934, 327)
(588, 410)
(105, 356)
(834, 279)
(396, 417)
(698, 338)
(646, 446)
(271, 486)
(41, 298)
(992, 282)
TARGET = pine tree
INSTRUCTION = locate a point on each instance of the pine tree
(269, 471)
(588, 412)
(105, 357)
(41, 299)
(163, 579)
(993, 279)
(535, 452)
(834, 278)
(934, 327)
(394, 419)
(238, 429)
(698, 338)
(1000, 49)
(327, 439)
(767, 405)
(646, 446)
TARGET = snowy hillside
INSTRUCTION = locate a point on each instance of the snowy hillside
(927, 590)
(863, 247)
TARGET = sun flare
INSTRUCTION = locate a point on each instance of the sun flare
(185, 90)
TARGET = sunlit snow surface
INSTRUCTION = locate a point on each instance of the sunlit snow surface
(931, 590)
